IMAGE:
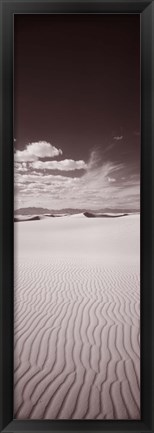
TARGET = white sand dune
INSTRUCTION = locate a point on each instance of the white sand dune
(77, 318)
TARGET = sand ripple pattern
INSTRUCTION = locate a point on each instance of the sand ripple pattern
(76, 340)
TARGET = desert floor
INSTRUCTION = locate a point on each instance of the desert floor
(77, 318)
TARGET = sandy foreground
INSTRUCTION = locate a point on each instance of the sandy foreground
(77, 318)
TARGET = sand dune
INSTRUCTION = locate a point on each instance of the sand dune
(77, 319)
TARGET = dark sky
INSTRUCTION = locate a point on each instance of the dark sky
(77, 86)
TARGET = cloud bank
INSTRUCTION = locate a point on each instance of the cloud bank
(93, 190)
(99, 184)
(64, 165)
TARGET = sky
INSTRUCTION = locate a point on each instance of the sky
(77, 111)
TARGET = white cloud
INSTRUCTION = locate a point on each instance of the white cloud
(118, 137)
(36, 150)
(20, 166)
(93, 160)
(38, 180)
(111, 179)
(64, 165)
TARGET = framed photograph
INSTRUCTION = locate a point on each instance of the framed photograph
(77, 216)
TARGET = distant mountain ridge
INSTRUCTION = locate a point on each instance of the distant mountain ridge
(69, 211)
(103, 215)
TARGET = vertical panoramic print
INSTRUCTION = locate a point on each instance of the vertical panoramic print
(77, 216)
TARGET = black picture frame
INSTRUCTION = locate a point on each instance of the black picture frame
(7, 10)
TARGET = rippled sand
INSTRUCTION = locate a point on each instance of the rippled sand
(77, 318)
